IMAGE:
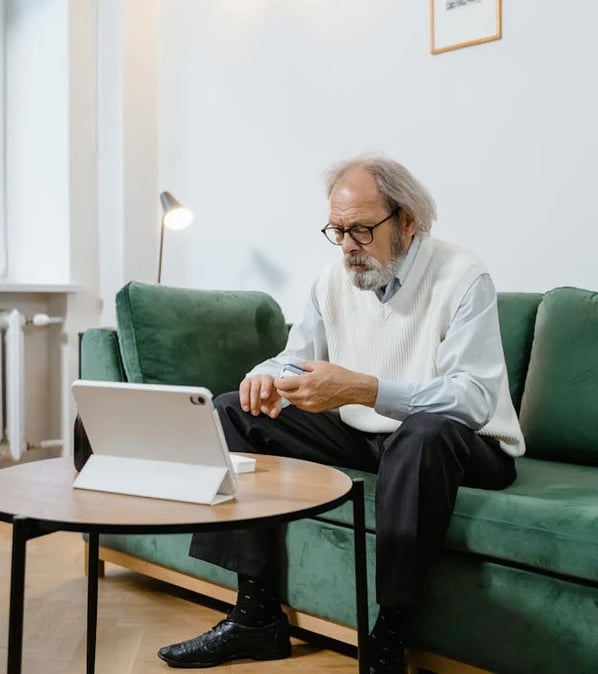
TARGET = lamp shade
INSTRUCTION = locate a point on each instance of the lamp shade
(175, 216)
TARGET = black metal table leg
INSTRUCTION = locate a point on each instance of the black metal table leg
(92, 600)
(361, 587)
(20, 530)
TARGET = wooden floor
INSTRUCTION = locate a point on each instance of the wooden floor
(136, 616)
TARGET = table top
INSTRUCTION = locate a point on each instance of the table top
(280, 488)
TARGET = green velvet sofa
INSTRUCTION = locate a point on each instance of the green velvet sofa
(515, 590)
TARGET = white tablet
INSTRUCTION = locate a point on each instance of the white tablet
(154, 440)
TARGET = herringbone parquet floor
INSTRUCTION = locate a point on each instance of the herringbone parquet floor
(136, 616)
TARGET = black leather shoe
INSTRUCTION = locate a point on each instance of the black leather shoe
(229, 640)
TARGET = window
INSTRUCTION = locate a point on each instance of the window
(3, 233)
(36, 142)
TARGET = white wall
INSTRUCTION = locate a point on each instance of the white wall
(258, 97)
(127, 146)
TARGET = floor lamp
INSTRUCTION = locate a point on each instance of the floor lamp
(175, 216)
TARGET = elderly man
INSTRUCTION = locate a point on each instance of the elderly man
(402, 374)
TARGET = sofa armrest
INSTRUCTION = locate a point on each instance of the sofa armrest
(99, 359)
(99, 356)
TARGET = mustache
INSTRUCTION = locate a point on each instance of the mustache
(358, 258)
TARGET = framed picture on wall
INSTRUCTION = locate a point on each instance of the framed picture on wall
(462, 23)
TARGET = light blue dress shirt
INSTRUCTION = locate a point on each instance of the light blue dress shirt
(469, 361)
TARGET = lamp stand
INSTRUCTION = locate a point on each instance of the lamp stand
(161, 248)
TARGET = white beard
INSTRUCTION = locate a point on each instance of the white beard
(374, 276)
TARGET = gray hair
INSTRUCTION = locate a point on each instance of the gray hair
(397, 186)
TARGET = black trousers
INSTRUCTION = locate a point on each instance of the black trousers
(419, 467)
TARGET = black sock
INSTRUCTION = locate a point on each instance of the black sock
(257, 604)
(389, 637)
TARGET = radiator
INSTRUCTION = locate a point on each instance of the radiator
(12, 381)
(12, 376)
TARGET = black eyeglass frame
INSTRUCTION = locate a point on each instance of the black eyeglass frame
(349, 230)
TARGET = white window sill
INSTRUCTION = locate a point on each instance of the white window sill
(32, 288)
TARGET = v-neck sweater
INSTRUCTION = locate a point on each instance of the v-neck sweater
(398, 339)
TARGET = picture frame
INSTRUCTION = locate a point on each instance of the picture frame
(455, 24)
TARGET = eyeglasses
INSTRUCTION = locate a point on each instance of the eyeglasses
(362, 234)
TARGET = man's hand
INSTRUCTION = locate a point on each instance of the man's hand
(325, 386)
(257, 394)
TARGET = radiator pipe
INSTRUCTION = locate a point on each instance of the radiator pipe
(45, 444)
(41, 320)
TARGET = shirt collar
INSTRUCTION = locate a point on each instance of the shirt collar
(403, 268)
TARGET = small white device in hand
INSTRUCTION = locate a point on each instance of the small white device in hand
(291, 370)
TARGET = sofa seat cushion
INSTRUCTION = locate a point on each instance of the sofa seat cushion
(547, 519)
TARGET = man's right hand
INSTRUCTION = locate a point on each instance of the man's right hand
(258, 395)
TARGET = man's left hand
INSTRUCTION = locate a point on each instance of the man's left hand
(324, 386)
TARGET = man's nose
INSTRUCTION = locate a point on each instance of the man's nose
(349, 245)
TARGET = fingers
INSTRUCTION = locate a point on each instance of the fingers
(290, 383)
(244, 388)
(272, 409)
(257, 394)
(249, 394)
(254, 397)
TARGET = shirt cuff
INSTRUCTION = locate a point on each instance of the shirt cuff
(270, 367)
(394, 399)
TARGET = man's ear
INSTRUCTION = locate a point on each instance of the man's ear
(408, 225)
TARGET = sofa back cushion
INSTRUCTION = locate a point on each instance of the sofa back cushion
(193, 337)
(517, 315)
(559, 409)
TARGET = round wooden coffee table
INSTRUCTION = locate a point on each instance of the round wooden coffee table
(38, 498)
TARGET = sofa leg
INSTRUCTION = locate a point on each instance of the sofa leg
(101, 564)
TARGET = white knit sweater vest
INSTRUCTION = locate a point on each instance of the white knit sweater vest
(398, 340)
